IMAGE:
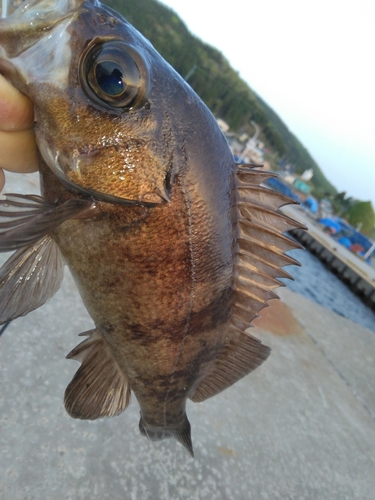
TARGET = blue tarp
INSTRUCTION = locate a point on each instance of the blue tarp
(345, 241)
(276, 184)
(346, 234)
(354, 235)
(331, 223)
(311, 204)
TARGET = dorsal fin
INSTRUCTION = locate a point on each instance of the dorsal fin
(261, 244)
(99, 388)
(258, 261)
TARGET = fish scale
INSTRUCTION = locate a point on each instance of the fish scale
(173, 246)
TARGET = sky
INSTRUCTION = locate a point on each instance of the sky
(313, 63)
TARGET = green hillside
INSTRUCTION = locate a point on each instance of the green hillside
(217, 83)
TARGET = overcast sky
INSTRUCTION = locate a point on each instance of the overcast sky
(313, 63)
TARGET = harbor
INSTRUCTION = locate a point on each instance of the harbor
(343, 249)
(349, 267)
(171, 251)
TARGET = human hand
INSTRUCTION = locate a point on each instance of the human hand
(18, 151)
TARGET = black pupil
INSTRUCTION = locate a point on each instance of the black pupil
(110, 78)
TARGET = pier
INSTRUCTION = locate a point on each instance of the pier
(349, 267)
(301, 426)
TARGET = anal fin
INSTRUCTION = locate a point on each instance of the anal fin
(241, 354)
(99, 388)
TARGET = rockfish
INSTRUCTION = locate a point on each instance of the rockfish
(173, 246)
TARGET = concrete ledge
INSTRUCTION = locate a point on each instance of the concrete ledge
(301, 427)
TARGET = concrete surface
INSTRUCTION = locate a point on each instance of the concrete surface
(300, 427)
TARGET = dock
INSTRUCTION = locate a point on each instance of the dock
(349, 267)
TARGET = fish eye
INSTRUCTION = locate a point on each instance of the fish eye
(113, 74)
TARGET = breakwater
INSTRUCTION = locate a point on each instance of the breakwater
(350, 268)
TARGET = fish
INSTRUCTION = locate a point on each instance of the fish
(173, 246)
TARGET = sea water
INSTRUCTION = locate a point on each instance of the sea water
(314, 281)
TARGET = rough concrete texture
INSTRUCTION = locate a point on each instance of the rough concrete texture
(299, 427)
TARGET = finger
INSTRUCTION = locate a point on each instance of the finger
(16, 110)
(18, 151)
(2, 179)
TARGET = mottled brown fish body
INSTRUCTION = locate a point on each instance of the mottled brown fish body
(158, 280)
(159, 294)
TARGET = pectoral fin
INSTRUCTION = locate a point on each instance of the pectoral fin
(24, 219)
(99, 388)
(34, 273)
(30, 277)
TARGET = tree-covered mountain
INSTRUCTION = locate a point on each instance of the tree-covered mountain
(217, 83)
(362, 214)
